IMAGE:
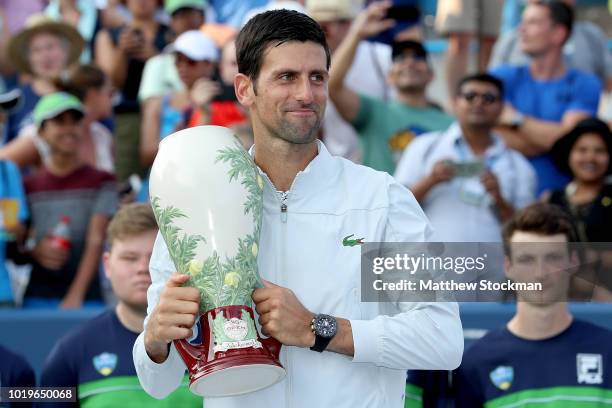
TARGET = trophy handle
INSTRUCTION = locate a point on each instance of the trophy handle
(273, 345)
(190, 353)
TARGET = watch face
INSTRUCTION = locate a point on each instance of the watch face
(325, 326)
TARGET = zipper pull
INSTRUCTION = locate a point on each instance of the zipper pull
(283, 212)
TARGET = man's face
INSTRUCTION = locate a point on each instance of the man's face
(48, 55)
(190, 70)
(288, 98)
(410, 72)
(127, 268)
(478, 104)
(63, 133)
(538, 33)
(186, 19)
(541, 259)
(335, 31)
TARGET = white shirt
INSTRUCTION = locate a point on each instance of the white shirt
(460, 210)
(329, 200)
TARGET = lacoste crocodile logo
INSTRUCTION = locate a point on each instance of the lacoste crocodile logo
(348, 242)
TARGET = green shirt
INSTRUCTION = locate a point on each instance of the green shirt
(385, 128)
(159, 77)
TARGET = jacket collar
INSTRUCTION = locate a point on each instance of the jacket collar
(317, 174)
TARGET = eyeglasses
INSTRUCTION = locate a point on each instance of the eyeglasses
(487, 98)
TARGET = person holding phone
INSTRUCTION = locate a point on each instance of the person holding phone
(385, 127)
(467, 169)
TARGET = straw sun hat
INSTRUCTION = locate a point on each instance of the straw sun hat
(19, 46)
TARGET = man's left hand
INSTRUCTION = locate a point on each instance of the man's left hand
(507, 117)
(491, 185)
(283, 316)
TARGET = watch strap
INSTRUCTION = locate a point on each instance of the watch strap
(320, 343)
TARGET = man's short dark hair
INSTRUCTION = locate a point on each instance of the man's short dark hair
(275, 28)
(481, 77)
(542, 219)
(560, 14)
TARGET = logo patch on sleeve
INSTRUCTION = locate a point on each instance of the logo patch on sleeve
(105, 363)
(502, 377)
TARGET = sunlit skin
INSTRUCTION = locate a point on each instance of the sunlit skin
(186, 19)
(190, 71)
(99, 101)
(63, 133)
(48, 55)
(228, 66)
(142, 8)
(478, 113)
(289, 96)
(538, 33)
(127, 267)
(410, 73)
(589, 159)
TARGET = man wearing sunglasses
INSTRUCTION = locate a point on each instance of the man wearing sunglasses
(385, 127)
(467, 169)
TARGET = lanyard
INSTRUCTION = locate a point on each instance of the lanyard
(464, 154)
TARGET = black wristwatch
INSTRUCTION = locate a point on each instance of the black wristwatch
(324, 328)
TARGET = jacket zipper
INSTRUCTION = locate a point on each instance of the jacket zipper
(283, 196)
(283, 208)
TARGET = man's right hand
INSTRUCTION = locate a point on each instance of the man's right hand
(173, 317)
(129, 42)
(372, 20)
(50, 255)
(441, 172)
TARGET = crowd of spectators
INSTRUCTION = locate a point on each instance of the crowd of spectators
(88, 89)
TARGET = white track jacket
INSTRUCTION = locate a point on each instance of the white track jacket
(301, 249)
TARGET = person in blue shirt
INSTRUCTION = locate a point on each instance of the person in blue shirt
(13, 207)
(543, 355)
(546, 98)
(15, 371)
(96, 358)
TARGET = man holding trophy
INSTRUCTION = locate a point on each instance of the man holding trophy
(337, 350)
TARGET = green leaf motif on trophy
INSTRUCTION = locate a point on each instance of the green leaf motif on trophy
(221, 282)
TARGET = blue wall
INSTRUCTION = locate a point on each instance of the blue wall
(33, 333)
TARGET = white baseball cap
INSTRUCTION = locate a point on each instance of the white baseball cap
(196, 45)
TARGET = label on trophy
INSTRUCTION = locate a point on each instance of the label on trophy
(234, 333)
(235, 329)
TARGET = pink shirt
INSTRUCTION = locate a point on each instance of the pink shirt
(18, 11)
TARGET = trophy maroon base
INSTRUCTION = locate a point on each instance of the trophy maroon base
(234, 371)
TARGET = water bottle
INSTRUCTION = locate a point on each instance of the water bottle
(60, 235)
